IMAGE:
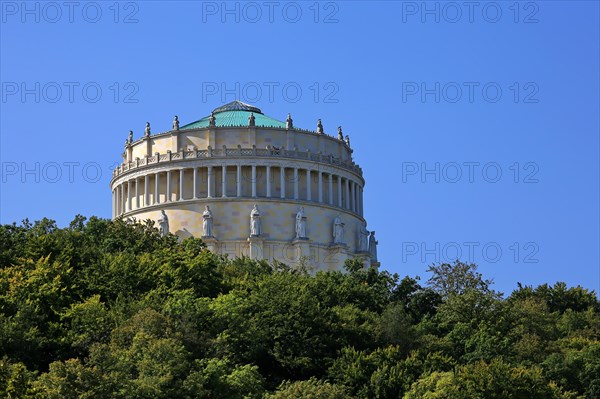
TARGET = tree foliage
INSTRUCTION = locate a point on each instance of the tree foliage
(109, 309)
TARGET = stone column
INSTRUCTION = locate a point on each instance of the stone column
(146, 191)
(169, 187)
(308, 186)
(355, 190)
(362, 197)
(137, 196)
(268, 181)
(330, 189)
(351, 197)
(282, 181)
(339, 180)
(348, 206)
(295, 183)
(358, 198)
(253, 181)
(195, 183)
(239, 180)
(156, 189)
(113, 204)
(349, 188)
(181, 176)
(122, 186)
(209, 192)
(129, 195)
(320, 188)
(224, 180)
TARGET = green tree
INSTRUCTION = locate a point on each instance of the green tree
(220, 378)
(559, 297)
(494, 380)
(310, 389)
(383, 373)
(418, 301)
(15, 380)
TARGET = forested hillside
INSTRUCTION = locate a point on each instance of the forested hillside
(106, 309)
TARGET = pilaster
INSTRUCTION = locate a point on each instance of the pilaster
(256, 250)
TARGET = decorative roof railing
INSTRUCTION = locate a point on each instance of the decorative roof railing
(224, 152)
(236, 126)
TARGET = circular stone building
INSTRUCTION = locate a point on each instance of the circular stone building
(249, 185)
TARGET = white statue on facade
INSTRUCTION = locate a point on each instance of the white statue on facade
(163, 224)
(319, 127)
(207, 223)
(340, 134)
(255, 222)
(251, 119)
(373, 246)
(289, 123)
(338, 230)
(301, 223)
(363, 238)
(176, 123)
(147, 130)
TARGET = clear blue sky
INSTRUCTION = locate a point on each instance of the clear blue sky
(499, 102)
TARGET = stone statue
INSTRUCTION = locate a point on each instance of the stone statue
(301, 224)
(289, 123)
(373, 246)
(130, 139)
(176, 123)
(147, 130)
(163, 224)
(212, 120)
(340, 135)
(319, 127)
(348, 140)
(363, 238)
(251, 119)
(338, 230)
(207, 223)
(255, 222)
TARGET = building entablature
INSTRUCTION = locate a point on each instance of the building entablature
(233, 156)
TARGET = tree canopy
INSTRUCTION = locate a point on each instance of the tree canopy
(110, 309)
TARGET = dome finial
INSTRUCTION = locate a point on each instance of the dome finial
(237, 106)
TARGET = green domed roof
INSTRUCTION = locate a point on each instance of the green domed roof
(235, 113)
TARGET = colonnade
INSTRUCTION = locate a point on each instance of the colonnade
(237, 181)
